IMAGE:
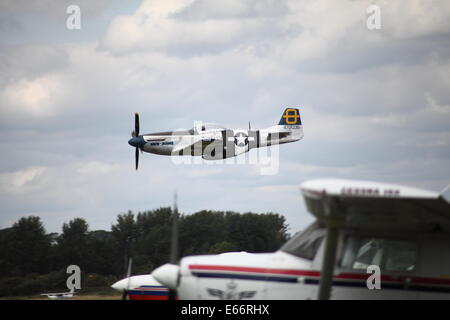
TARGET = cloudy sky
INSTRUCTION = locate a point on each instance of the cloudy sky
(375, 104)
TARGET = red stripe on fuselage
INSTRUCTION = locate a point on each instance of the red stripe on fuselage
(314, 273)
(255, 270)
(147, 297)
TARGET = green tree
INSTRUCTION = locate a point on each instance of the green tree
(102, 253)
(200, 231)
(25, 247)
(72, 244)
(124, 233)
(155, 228)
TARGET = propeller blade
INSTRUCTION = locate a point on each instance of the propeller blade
(130, 262)
(174, 242)
(125, 292)
(137, 157)
(136, 124)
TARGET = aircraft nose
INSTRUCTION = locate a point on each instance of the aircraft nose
(137, 142)
(167, 275)
(120, 285)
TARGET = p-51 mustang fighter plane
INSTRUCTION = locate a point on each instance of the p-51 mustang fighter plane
(214, 142)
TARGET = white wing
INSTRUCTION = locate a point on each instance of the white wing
(186, 143)
(372, 204)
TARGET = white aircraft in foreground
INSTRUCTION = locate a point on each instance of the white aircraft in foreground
(142, 287)
(60, 295)
(214, 142)
(403, 231)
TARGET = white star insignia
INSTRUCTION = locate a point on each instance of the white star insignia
(241, 139)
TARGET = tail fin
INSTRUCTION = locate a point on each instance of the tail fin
(290, 117)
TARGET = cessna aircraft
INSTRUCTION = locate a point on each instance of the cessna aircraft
(142, 287)
(214, 142)
(403, 231)
(60, 295)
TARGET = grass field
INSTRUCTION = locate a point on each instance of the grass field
(100, 294)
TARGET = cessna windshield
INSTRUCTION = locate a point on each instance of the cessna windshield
(305, 244)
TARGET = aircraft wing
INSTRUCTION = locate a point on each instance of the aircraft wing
(376, 205)
(198, 143)
(55, 294)
(51, 294)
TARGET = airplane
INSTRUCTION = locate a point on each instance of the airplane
(359, 225)
(145, 287)
(214, 142)
(60, 295)
(142, 287)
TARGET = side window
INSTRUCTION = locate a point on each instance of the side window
(305, 244)
(388, 254)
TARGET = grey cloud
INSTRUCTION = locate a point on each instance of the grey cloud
(372, 108)
(51, 8)
(204, 9)
(30, 61)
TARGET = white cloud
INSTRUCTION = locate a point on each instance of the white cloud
(35, 98)
(410, 19)
(20, 181)
(157, 26)
(374, 105)
(51, 8)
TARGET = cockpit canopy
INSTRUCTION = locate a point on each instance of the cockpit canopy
(305, 244)
(202, 126)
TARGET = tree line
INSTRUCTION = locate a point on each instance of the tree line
(33, 261)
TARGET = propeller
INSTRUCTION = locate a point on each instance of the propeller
(136, 156)
(135, 134)
(125, 292)
(174, 241)
(169, 273)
